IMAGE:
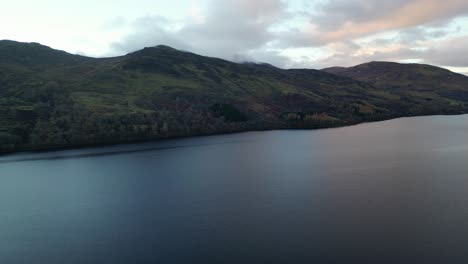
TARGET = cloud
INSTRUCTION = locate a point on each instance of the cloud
(448, 52)
(443, 52)
(148, 31)
(115, 23)
(336, 32)
(350, 19)
(233, 30)
(273, 57)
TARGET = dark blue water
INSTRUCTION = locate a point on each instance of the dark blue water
(388, 192)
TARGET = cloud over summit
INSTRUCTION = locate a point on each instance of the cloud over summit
(333, 32)
(286, 33)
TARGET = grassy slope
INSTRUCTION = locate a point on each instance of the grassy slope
(419, 83)
(51, 98)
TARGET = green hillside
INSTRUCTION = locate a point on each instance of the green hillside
(51, 99)
(412, 82)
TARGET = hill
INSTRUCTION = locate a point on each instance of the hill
(411, 80)
(53, 99)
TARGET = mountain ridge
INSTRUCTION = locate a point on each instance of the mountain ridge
(53, 99)
(340, 69)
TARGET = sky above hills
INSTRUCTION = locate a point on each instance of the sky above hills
(293, 33)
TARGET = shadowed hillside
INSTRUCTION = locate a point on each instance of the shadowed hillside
(411, 80)
(50, 98)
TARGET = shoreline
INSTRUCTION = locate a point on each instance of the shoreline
(142, 141)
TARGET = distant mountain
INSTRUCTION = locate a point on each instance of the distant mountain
(34, 54)
(407, 79)
(52, 99)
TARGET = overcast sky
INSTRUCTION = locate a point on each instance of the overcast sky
(293, 33)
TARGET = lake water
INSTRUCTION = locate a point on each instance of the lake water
(386, 192)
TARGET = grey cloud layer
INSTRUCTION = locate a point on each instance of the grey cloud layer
(234, 30)
(244, 30)
(342, 20)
